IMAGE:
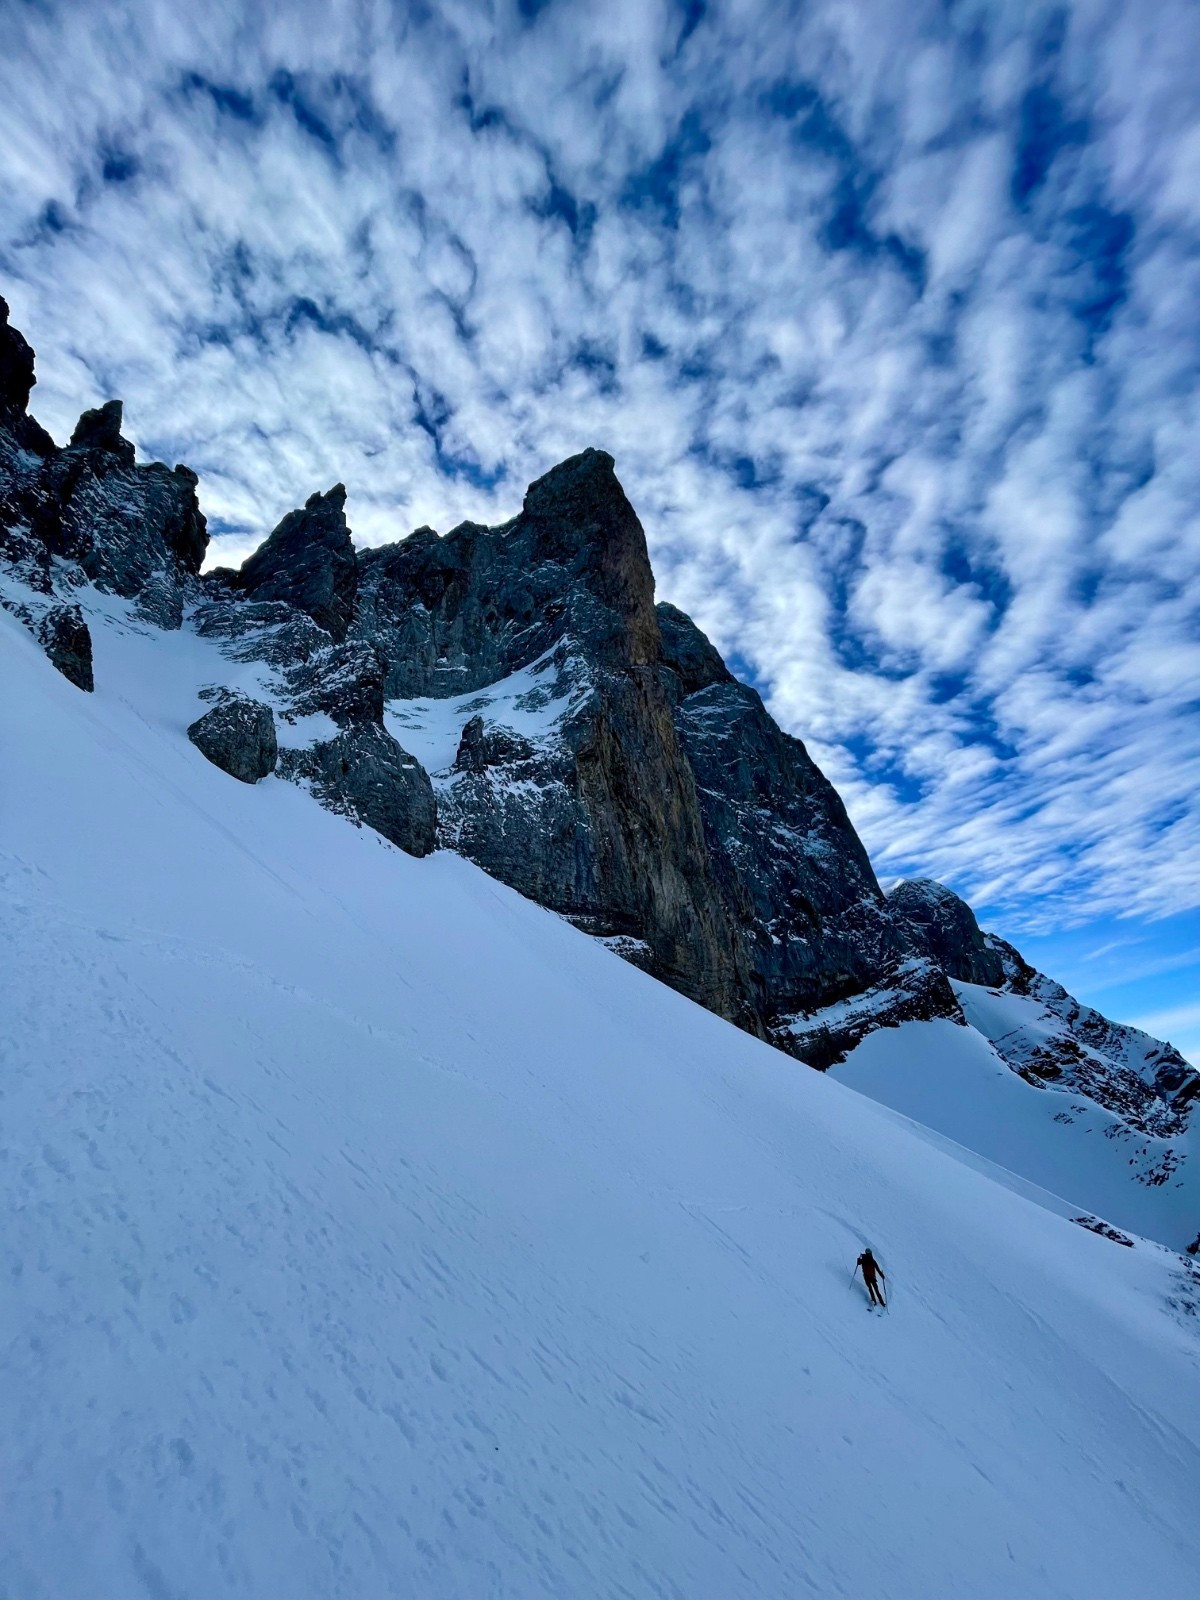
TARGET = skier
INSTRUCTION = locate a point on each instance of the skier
(870, 1267)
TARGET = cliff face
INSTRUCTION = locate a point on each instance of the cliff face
(799, 886)
(660, 807)
(515, 694)
(598, 815)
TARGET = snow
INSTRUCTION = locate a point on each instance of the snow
(370, 1231)
(950, 1079)
(533, 702)
(295, 733)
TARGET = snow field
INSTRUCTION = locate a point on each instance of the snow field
(372, 1232)
(950, 1079)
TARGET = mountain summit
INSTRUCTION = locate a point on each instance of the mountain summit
(515, 694)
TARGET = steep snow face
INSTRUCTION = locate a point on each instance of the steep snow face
(371, 1231)
(1050, 1131)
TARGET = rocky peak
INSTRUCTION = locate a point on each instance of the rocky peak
(99, 431)
(577, 515)
(459, 612)
(133, 530)
(943, 927)
(16, 366)
(309, 562)
(687, 652)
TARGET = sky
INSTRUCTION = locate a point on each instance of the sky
(890, 316)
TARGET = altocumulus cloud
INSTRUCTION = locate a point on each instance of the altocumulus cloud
(890, 315)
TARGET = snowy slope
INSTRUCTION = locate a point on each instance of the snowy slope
(950, 1079)
(372, 1232)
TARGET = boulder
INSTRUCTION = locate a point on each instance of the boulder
(238, 735)
(481, 746)
(64, 636)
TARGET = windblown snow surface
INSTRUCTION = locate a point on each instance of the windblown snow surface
(369, 1231)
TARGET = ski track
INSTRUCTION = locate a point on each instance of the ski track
(371, 1232)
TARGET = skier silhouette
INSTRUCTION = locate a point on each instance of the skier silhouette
(870, 1267)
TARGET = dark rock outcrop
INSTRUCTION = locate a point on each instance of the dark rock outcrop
(481, 747)
(605, 826)
(944, 927)
(269, 631)
(345, 681)
(915, 991)
(100, 431)
(238, 735)
(67, 641)
(135, 531)
(1104, 1229)
(366, 775)
(308, 561)
(16, 367)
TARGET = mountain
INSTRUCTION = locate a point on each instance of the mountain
(1092, 1109)
(370, 1230)
(515, 694)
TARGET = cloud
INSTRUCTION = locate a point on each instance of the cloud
(888, 315)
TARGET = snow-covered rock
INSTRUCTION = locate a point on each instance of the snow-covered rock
(365, 774)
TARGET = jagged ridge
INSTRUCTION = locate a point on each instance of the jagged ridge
(648, 795)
